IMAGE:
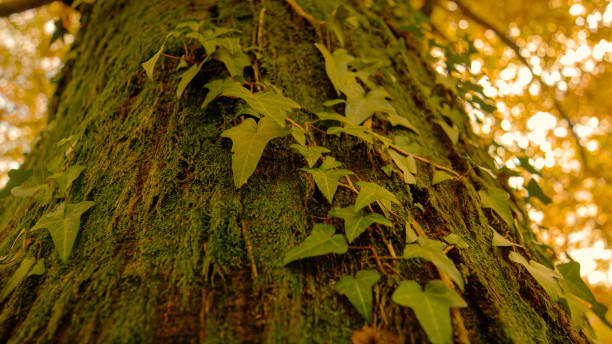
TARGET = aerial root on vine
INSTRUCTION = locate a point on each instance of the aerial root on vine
(308, 17)
(249, 251)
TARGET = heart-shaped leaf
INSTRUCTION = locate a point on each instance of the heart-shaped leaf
(433, 251)
(431, 307)
(546, 277)
(322, 240)
(355, 222)
(249, 141)
(63, 225)
(311, 154)
(371, 192)
(326, 177)
(498, 201)
(358, 290)
(266, 103)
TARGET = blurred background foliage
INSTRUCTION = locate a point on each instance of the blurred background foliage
(544, 64)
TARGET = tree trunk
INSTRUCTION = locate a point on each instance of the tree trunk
(173, 252)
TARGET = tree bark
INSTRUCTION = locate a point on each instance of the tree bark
(172, 252)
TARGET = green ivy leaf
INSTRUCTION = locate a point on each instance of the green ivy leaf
(336, 66)
(326, 177)
(431, 307)
(356, 223)
(454, 239)
(576, 308)
(360, 108)
(440, 176)
(573, 283)
(451, 132)
(215, 89)
(231, 54)
(535, 191)
(64, 180)
(524, 163)
(18, 276)
(358, 290)
(249, 141)
(321, 241)
(498, 201)
(357, 131)
(149, 65)
(501, 241)
(405, 163)
(299, 135)
(395, 120)
(371, 192)
(63, 225)
(311, 154)
(30, 191)
(335, 22)
(545, 276)
(186, 78)
(433, 251)
(266, 103)
(16, 178)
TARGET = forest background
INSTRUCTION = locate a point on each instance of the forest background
(546, 65)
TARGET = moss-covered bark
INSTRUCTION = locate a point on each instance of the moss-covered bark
(162, 256)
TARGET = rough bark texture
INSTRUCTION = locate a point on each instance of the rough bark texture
(161, 257)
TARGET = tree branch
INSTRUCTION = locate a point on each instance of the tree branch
(9, 7)
(517, 51)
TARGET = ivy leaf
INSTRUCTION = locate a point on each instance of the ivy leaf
(371, 192)
(501, 241)
(358, 290)
(18, 276)
(336, 66)
(63, 225)
(331, 116)
(311, 154)
(535, 191)
(266, 103)
(31, 191)
(440, 176)
(16, 178)
(576, 308)
(149, 65)
(249, 141)
(186, 78)
(360, 108)
(524, 163)
(433, 251)
(357, 131)
(543, 275)
(321, 241)
(38, 268)
(336, 22)
(299, 135)
(326, 177)
(64, 180)
(215, 89)
(396, 120)
(573, 283)
(454, 239)
(451, 132)
(405, 163)
(356, 223)
(232, 56)
(431, 307)
(498, 201)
